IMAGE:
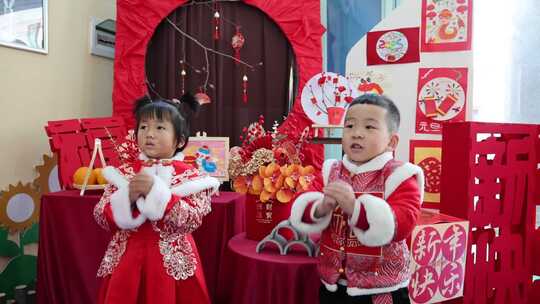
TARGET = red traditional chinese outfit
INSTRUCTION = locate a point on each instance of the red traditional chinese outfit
(365, 252)
(152, 257)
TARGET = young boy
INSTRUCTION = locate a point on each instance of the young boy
(368, 208)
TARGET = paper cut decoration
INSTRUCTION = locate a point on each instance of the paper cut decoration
(489, 179)
(446, 25)
(438, 246)
(442, 97)
(393, 46)
(427, 155)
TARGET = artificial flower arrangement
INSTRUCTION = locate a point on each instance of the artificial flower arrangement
(269, 164)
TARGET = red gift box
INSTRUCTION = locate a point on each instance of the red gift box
(261, 217)
(438, 246)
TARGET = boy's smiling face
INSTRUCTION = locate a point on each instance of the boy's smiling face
(366, 134)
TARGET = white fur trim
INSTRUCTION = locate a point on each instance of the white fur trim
(297, 212)
(329, 287)
(401, 174)
(156, 200)
(114, 177)
(121, 210)
(354, 291)
(327, 165)
(375, 164)
(197, 185)
(382, 223)
(353, 220)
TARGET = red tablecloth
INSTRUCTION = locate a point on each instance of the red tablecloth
(267, 278)
(71, 244)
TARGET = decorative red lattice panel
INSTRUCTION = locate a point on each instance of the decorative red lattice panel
(489, 173)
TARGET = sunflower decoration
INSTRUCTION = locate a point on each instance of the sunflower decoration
(48, 180)
(19, 207)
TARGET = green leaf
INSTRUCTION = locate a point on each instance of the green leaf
(31, 235)
(20, 270)
(7, 248)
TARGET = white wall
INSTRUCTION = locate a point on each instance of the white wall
(66, 83)
(403, 78)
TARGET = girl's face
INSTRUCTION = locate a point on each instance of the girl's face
(366, 134)
(156, 138)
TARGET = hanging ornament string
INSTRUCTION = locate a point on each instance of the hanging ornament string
(206, 50)
(252, 67)
(216, 21)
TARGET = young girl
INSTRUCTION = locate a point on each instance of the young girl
(152, 205)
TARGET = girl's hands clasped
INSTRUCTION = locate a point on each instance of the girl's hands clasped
(140, 185)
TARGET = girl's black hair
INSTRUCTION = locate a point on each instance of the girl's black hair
(179, 113)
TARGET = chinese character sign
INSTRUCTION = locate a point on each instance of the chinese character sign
(438, 262)
(442, 97)
(494, 166)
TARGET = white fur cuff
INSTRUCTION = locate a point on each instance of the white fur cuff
(298, 209)
(156, 200)
(195, 186)
(121, 210)
(380, 217)
(114, 177)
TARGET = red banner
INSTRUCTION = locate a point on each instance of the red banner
(393, 46)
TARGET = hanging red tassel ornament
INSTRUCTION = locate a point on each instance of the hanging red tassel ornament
(183, 77)
(244, 89)
(216, 25)
(237, 43)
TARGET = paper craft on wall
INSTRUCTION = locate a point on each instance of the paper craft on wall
(442, 97)
(393, 46)
(368, 82)
(325, 97)
(446, 25)
(427, 155)
(209, 155)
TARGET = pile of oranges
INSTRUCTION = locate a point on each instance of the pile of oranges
(95, 178)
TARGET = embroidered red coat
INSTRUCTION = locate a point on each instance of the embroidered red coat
(152, 257)
(367, 251)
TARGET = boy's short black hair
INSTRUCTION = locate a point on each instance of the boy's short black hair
(392, 112)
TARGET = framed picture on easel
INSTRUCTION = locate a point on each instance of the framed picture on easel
(23, 25)
(209, 154)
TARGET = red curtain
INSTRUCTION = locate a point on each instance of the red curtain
(266, 48)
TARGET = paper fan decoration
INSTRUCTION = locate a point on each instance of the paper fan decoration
(19, 207)
(325, 93)
(48, 180)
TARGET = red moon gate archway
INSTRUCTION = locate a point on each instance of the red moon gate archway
(138, 19)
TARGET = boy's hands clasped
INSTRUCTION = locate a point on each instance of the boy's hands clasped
(140, 185)
(338, 193)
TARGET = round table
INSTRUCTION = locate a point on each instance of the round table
(267, 277)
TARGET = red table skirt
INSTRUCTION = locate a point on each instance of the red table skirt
(267, 278)
(71, 244)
